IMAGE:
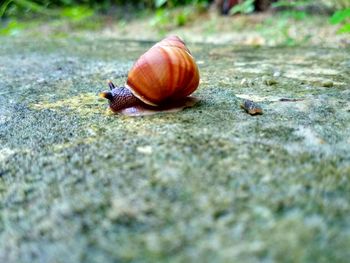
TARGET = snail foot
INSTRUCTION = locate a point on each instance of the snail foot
(145, 110)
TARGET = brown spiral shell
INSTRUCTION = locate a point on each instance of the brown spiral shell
(166, 72)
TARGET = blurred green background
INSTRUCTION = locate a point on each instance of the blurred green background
(262, 22)
(161, 16)
(20, 8)
(45, 7)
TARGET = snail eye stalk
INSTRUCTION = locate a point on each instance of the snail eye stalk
(111, 85)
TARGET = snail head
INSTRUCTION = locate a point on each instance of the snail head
(119, 97)
(108, 94)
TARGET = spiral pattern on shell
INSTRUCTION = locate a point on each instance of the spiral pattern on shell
(166, 72)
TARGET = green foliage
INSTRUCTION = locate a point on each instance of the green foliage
(4, 6)
(26, 5)
(341, 17)
(172, 3)
(337, 4)
(13, 27)
(159, 3)
(181, 19)
(161, 18)
(294, 14)
(166, 16)
(246, 7)
(165, 19)
(344, 29)
(77, 13)
(291, 4)
(45, 7)
(75, 17)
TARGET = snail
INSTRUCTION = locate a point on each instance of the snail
(161, 80)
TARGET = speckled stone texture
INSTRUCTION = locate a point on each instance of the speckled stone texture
(208, 184)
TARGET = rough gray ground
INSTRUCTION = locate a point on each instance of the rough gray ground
(209, 184)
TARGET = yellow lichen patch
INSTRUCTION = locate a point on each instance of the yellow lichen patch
(62, 146)
(87, 103)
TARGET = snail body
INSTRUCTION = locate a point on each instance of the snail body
(160, 81)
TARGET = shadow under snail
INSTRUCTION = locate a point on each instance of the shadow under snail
(161, 80)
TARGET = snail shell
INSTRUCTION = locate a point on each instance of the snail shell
(161, 79)
(165, 72)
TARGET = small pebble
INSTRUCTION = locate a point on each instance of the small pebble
(327, 84)
(269, 81)
(145, 149)
(41, 81)
(244, 81)
(251, 107)
(247, 82)
(277, 74)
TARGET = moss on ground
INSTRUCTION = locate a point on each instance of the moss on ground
(210, 184)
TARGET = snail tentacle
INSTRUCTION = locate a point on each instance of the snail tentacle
(111, 85)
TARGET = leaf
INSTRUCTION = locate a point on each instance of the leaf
(28, 4)
(340, 16)
(12, 28)
(35, 7)
(181, 19)
(3, 7)
(245, 7)
(161, 18)
(344, 29)
(77, 13)
(159, 3)
(290, 4)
